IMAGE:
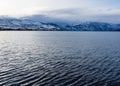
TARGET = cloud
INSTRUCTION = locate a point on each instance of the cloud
(85, 14)
(66, 10)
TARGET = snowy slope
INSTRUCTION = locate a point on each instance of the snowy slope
(25, 24)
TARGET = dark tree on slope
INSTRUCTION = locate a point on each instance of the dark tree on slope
(118, 29)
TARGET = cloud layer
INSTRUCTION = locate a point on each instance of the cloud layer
(84, 14)
(68, 10)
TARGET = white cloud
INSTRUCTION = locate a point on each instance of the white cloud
(86, 10)
(83, 14)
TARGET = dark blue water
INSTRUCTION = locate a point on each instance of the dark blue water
(59, 58)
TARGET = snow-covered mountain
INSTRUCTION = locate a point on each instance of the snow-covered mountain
(7, 23)
(25, 24)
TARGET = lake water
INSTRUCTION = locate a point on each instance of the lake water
(38, 58)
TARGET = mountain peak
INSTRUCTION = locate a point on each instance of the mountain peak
(40, 22)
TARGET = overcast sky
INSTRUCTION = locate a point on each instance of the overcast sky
(95, 10)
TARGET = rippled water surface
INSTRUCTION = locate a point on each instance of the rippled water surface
(59, 58)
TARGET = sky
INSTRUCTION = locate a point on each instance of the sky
(78, 10)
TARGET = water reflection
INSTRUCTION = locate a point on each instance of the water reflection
(59, 58)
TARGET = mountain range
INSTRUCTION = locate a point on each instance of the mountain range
(44, 23)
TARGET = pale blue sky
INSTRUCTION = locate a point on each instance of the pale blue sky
(77, 9)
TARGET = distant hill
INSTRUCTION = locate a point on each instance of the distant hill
(37, 24)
